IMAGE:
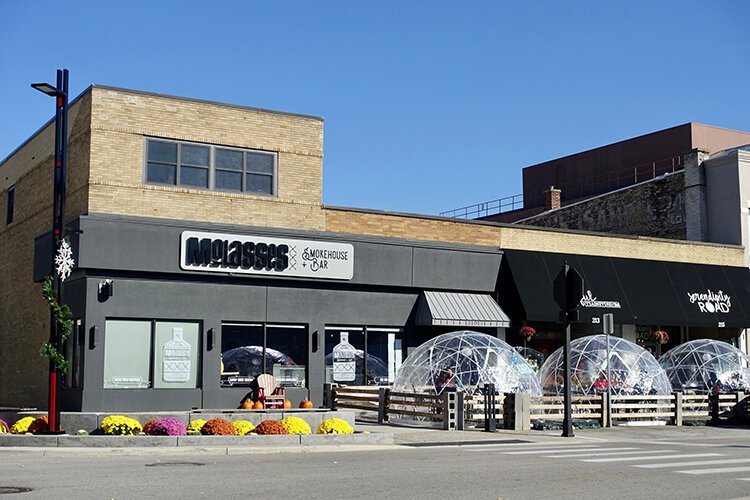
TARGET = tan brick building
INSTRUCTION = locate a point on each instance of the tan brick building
(208, 222)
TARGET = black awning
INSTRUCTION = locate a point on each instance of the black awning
(534, 273)
(712, 295)
(636, 291)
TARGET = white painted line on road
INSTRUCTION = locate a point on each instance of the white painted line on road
(592, 438)
(608, 451)
(722, 470)
(625, 459)
(742, 478)
(551, 450)
(677, 443)
(526, 446)
(697, 462)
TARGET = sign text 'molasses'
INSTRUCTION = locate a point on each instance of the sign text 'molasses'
(244, 254)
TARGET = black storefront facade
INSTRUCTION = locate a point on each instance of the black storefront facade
(177, 315)
(688, 301)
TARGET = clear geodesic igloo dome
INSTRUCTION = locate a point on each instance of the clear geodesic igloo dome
(700, 365)
(534, 358)
(633, 370)
(465, 360)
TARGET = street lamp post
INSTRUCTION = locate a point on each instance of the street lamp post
(60, 93)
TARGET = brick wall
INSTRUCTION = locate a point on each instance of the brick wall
(121, 120)
(341, 220)
(654, 208)
(24, 317)
(528, 238)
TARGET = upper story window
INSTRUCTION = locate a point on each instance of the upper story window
(11, 204)
(210, 167)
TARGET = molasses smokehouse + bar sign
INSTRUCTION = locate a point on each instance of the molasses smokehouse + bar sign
(246, 254)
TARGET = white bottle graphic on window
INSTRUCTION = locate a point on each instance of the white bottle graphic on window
(344, 360)
(176, 360)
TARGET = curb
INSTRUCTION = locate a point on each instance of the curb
(67, 441)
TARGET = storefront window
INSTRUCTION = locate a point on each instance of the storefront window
(177, 354)
(247, 350)
(74, 355)
(377, 354)
(286, 352)
(127, 355)
(137, 352)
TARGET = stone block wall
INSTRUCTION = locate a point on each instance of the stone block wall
(654, 208)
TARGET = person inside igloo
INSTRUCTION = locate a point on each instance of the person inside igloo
(465, 361)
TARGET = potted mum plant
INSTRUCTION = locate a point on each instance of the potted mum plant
(526, 333)
(661, 336)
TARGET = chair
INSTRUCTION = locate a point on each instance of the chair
(268, 394)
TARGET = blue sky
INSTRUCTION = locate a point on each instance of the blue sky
(428, 105)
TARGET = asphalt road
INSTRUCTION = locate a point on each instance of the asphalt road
(684, 463)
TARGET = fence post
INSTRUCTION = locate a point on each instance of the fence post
(713, 405)
(516, 411)
(383, 396)
(509, 409)
(677, 408)
(453, 411)
(490, 424)
(606, 420)
(329, 396)
(523, 412)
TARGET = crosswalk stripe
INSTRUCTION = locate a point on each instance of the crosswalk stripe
(722, 470)
(698, 462)
(625, 459)
(743, 478)
(610, 451)
(517, 447)
(551, 450)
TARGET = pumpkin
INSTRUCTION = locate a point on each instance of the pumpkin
(258, 405)
(306, 403)
(287, 404)
(247, 404)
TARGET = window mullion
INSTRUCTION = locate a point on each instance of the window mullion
(211, 168)
(177, 167)
(244, 172)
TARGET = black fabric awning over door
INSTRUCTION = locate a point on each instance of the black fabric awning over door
(635, 291)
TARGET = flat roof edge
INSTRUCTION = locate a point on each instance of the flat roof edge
(508, 225)
(206, 101)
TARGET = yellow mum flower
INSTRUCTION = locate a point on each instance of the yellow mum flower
(196, 425)
(335, 426)
(295, 425)
(243, 427)
(120, 425)
(22, 425)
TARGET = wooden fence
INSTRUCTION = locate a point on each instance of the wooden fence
(518, 411)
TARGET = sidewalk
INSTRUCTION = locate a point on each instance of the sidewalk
(369, 436)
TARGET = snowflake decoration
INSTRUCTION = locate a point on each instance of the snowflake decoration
(64, 260)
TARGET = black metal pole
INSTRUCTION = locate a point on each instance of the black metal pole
(568, 414)
(58, 213)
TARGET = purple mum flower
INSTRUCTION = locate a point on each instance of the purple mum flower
(169, 427)
(3, 423)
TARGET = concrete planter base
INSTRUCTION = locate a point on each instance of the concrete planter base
(90, 421)
(249, 441)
